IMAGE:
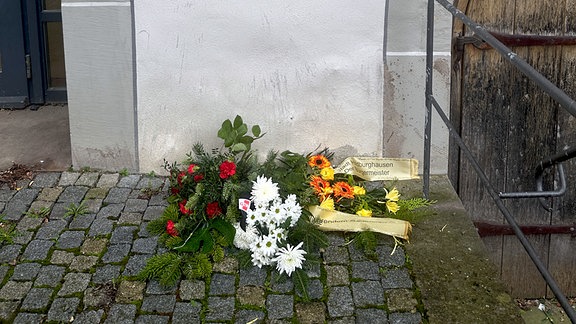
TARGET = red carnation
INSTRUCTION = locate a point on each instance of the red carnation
(213, 209)
(170, 229)
(183, 208)
(227, 169)
(198, 177)
(191, 168)
(174, 190)
(180, 176)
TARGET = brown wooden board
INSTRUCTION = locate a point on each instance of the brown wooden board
(511, 126)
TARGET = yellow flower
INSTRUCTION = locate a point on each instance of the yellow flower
(392, 206)
(364, 213)
(359, 191)
(327, 203)
(327, 173)
(393, 195)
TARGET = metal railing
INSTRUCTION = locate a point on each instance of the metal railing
(543, 83)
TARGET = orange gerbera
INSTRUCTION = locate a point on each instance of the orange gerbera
(343, 189)
(321, 186)
(319, 161)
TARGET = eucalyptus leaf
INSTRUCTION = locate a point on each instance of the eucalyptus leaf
(225, 130)
(242, 130)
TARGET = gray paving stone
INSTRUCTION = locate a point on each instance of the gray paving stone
(70, 240)
(98, 296)
(367, 270)
(336, 255)
(23, 237)
(106, 273)
(8, 309)
(150, 182)
(108, 180)
(50, 194)
(130, 218)
(282, 285)
(6, 194)
(61, 257)
(100, 227)
(158, 200)
(82, 221)
(2, 205)
(356, 254)
(396, 278)
(37, 299)
(59, 211)
(248, 316)
(337, 275)
(25, 271)
(143, 231)
(387, 259)
(252, 276)
(153, 212)
(129, 181)
(121, 313)
(220, 309)
(110, 211)
(117, 195)
(74, 283)
(185, 313)
(158, 303)
(73, 194)
(89, 317)
(192, 289)
(18, 205)
(222, 284)
(63, 309)
(96, 194)
(336, 238)
(315, 290)
(116, 253)
(87, 179)
(68, 178)
(13, 290)
(135, 264)
(29, 318)
(29, 223)
(155, 288)
(152, 319)
(136, 205)
(50, 275)
(368, 293)
(9, 253)
(83, 263)
(3, 272)
(123, 234)
(405, 318)
(93, 205)
(51, 230)
(280, 306)
(371, 315)
(340, 302)
(45, 179)
(37, 250)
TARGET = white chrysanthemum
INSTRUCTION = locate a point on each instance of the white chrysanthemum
(259, 259)
(243, 239)
(251, 217)
(264, 190)
(278, 213)
(262, 216)
(268, 245)
(289, 258)
(278, 233)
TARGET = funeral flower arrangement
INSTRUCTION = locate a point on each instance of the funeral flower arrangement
(225, 202)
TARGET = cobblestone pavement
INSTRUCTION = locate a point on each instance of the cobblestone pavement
(80, 267)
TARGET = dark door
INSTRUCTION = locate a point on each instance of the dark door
(13, 72)
(31, 53)
(511, 126)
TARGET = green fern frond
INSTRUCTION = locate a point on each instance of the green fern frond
(171, 212)
(198, 266)
(171, 273)
(415, 203)
(157, 265)
(301, 283)
(157, 226)
(173, 241)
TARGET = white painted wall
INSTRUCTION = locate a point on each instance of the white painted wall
(309, 73)
(99, 73)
